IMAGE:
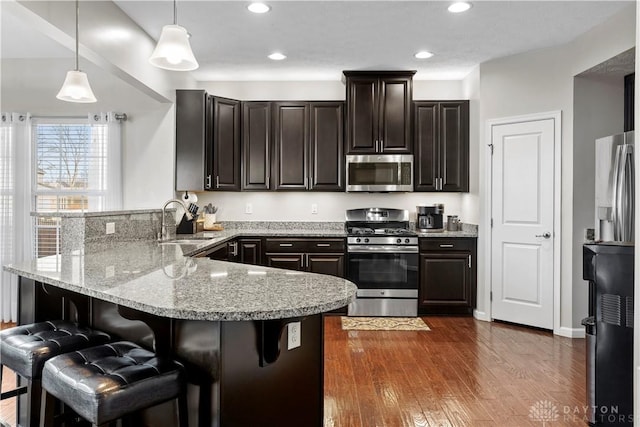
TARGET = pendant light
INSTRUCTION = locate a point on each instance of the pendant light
(76, 86)
(173, 51)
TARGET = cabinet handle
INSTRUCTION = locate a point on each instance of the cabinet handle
(306, 260)
(234, 247)
(469, 261)
(268, 186)
(306, 182)
(441, 184)
(286, 245)
(381, 145)
(323, 245)
(446, 246)
(207, 183)
(217, 181)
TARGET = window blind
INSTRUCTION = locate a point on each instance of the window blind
(69, 174)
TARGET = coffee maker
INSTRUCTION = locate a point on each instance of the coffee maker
(429, 218)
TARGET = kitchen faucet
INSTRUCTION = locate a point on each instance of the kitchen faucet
(163, 228)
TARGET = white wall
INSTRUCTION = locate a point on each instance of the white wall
(541, 81)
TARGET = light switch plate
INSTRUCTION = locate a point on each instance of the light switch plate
(293, 335)
(248, 208)
(314, 208)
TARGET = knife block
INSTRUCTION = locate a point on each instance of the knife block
(186, 226)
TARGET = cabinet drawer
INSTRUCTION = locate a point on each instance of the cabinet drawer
(286, 245)
(452, 244)
(325, 245)
(304, 245)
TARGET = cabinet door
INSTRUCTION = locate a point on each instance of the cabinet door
(226, 144)
(220, 253)
(395, 115)
(291, 133)
(425, 135)
(326, 138)
(250, 251)
(193, 140)
(454, 145)
(362, 115)
(256, 140)
(286, 261)
(445, 283)
(331, 264)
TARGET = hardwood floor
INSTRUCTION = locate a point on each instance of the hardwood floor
(461, 373)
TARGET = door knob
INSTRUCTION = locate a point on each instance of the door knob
(545, 235)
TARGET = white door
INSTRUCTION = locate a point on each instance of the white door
(522, 211)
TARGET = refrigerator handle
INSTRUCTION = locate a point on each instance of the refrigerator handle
(615, 205)
(627, 195)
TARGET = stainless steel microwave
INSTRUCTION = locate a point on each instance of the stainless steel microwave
(380, 172)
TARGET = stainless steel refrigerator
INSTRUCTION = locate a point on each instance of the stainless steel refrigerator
(608, 266)
(615, 188)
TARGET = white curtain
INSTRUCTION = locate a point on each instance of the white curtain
(111, 133)
(15, 205)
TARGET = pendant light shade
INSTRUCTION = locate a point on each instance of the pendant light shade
(76, 87)
(173, 51)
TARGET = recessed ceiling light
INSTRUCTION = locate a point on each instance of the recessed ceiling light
(277, 56)
(258, 8)
(459, 6)
(423, 54)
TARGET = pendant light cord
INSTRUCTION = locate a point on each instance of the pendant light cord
(77, 30)
(175, 12)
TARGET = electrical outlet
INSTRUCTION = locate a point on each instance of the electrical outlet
(111, 227)
(109, 271)
(293, 335)
(248, 209)
(314, 208)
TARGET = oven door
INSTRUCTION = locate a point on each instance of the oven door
(374, 269)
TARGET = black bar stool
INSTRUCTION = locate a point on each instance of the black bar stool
(112, 381)
(25, 349)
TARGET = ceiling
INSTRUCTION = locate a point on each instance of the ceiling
(322, 38)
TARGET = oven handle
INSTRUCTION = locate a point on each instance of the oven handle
(376, 249)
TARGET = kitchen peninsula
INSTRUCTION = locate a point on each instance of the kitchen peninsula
(226, 322)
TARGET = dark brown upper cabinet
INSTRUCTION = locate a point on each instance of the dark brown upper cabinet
(308, 140)
(256, 145)
(193, 140)
(225, 173)
(379, 111)
(441, 138)
(291, 142)
(207, 142)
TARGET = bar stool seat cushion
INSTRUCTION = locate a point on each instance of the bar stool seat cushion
(109, 381)
(25, 349)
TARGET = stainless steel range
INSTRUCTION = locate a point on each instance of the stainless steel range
(382, 260)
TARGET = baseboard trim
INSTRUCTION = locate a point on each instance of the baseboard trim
(481, 315)
(563, 331)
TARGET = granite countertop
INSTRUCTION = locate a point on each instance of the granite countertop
(163, 279)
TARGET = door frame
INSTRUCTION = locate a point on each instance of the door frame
(556, 116)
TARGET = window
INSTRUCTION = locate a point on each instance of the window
(69, 174)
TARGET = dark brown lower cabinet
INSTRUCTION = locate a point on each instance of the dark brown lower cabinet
(447, 276)
(250, 251)
(286, 261)
(324, 256)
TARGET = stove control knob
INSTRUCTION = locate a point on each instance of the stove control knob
(399, 241)
(358, 240)
(406, 240)
(366, 240)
